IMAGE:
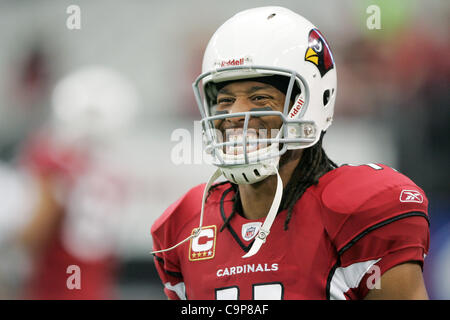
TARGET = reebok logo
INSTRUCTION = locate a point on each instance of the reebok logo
(411, 196)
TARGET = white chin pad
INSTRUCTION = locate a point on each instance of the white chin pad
(248, 174)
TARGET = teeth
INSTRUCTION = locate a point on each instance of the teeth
(239, 138)
(240, 149)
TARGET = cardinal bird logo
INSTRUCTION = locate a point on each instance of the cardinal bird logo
(319, 52)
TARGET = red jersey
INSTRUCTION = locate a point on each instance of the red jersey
(81, 236)
(355, 221)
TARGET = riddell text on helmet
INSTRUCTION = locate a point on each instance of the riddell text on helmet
(296, 109)
(232, 62)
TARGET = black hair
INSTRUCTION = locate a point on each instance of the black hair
(278, 81)
(313, 164)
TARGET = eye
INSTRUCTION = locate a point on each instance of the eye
(224, 101)
(316, 45)
(260, 98)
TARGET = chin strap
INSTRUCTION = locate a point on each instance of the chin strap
(196, 232)
(265, 228)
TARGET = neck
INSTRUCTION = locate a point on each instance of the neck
(257, 198)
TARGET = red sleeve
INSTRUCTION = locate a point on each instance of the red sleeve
(166, 263)
(166, 232)
(391, 244)
(170, 274)
(373, 217)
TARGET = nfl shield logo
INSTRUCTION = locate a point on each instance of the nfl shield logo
(250, 230)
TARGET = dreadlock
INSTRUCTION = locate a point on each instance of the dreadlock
(313, 164)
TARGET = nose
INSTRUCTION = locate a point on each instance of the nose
(239, 105)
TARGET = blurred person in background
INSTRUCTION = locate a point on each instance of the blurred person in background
(82, 191)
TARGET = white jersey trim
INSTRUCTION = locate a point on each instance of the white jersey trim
(179, 289)
(348, 277)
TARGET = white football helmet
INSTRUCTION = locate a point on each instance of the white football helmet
(92, 105)
(262, 42)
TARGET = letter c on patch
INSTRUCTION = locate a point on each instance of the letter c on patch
(209, 234)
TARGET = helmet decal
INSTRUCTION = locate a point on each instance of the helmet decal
(319, 52)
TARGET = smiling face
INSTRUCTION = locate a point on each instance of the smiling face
(244, 96)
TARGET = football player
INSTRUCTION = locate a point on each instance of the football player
(71, 237)
(287, 223)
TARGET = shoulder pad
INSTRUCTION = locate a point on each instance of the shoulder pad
(186, 208)
(178, 212)
(358, 197)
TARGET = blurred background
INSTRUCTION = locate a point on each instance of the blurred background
(84, 188)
